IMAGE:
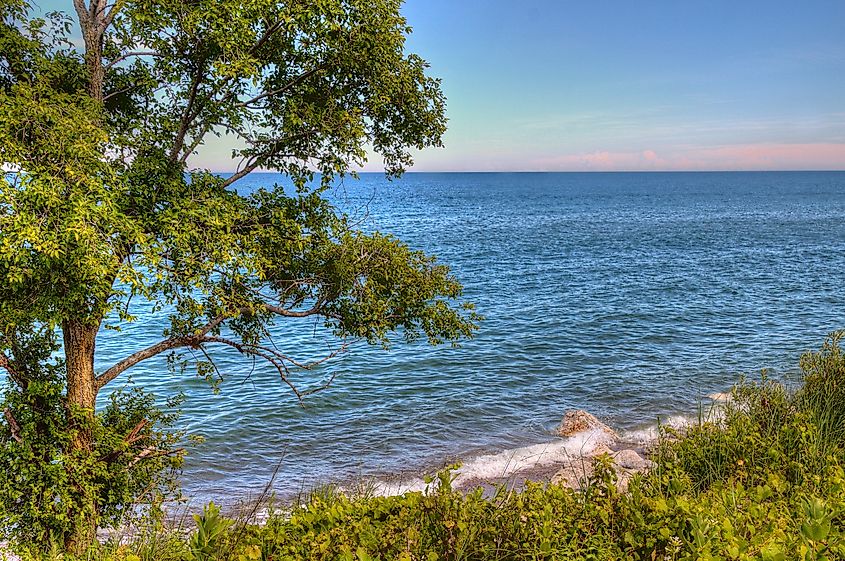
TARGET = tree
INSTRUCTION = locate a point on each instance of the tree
(102, 206)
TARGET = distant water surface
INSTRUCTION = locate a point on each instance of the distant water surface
(627, 294)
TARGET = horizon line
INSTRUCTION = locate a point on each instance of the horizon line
(372, 172)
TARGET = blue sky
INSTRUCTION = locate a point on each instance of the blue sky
(559, 85)
(545, 85)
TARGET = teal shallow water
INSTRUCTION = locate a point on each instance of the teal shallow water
(629, 295)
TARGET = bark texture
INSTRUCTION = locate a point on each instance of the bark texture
(79, 342)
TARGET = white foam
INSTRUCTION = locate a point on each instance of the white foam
(511, 462)
(648, 434)
(507, 463)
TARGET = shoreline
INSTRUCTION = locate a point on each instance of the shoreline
(537, 463)
(565, 459)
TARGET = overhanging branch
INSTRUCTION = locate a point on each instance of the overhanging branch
(7, 365)
(199, 337)
(279, 361)
(130, 54)
(278, 91)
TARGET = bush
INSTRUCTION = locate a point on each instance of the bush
(135, 461)
(762, 481)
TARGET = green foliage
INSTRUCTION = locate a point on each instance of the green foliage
(46, 481)
(745, 485)
(210, 533)
(105, 206)
(102, 206)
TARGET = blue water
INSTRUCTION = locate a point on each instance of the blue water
(630, 295)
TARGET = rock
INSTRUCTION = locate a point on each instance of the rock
(575, 474)
(721, 396)
(623, 479)
(578, 421)
(631, 460)
(626, 463)
(578, 468)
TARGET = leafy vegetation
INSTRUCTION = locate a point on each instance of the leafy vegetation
(101, 113)
(45, 483)
(764, 481)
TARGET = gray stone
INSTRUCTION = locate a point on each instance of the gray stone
(577, 471)
(631, 460)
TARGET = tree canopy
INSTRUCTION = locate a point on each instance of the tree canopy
(102, 204)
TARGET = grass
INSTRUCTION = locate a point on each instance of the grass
(765, 481)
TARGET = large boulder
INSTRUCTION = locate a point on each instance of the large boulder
(578, 421)
(588, 439)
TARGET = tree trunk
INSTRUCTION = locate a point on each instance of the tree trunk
(80, 336)
(94, 62)
(79, 342)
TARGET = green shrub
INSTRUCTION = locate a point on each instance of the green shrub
(135, 461)
(762, 481)
(822, 394)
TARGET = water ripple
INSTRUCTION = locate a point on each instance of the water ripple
(629, 295)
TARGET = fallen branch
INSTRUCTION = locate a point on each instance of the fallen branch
(13, 424)
(134, 435)
(151, 452)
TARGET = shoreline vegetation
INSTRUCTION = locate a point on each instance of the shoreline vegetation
(761, 477)
(106, 112)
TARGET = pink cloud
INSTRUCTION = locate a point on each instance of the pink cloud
(777, 156)
(736, 157)
(650, 155)
(602, 161)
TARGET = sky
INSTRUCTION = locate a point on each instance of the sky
(548, 85)
(622, 85)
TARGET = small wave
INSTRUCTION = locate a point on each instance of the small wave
(507, 463)
(648, 434)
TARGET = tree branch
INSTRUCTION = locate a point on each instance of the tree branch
(151, 452)
(194, 144)
(133, 437)
(241, 173)
(189, 114)
(135, 434)
(94, 9)
(6, 364)
(109, 17)
(140, 356)
(256, 160)
(196, 339)
(118, 92)
(279, 311)
(278, 360)
(82, 13)
(284, 88)
(130, 54)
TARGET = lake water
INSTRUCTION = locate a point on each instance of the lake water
(630, 295)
